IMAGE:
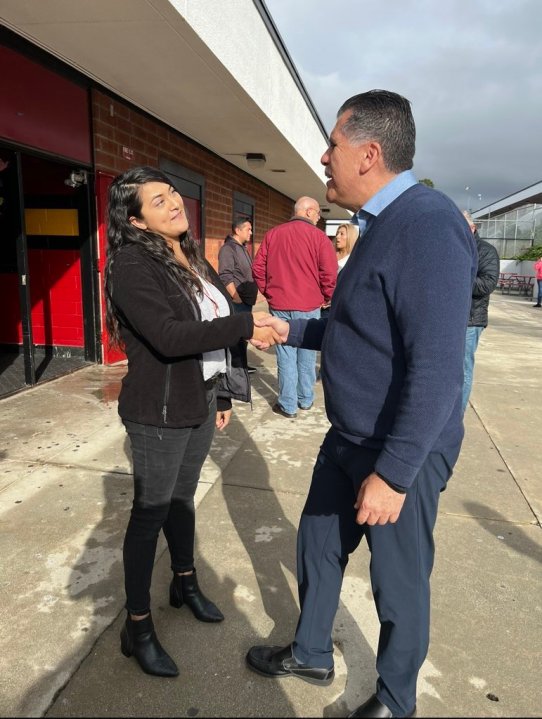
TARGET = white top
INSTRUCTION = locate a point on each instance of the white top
(212, 304)
(342, 262)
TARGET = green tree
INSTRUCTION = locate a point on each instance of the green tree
(533, 253)
(427, 181)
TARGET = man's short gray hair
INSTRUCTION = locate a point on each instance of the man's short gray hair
(467, 215)
(384, 117)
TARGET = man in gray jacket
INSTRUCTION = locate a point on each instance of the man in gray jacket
(235, 268)
(486, 280)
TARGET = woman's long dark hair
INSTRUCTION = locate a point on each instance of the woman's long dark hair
(125, 202)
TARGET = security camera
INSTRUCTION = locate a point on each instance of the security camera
(76, 178)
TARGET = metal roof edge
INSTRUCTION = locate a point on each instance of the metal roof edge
(281, 47)
(511, 199)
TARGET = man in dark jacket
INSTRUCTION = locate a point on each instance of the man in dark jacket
(486, 280)
(235, 268)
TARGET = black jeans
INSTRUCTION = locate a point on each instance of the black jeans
(167, 464)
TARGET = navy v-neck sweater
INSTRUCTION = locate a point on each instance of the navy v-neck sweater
(393, 346)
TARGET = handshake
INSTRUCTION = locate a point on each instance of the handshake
(268, 331)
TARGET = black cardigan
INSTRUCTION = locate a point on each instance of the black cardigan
(164, 338)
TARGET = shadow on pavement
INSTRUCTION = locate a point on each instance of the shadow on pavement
(266, 522)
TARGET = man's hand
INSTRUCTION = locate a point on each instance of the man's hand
(232, 291)
(377, 502)
(264, 337)
(281, 327)
(223, 419)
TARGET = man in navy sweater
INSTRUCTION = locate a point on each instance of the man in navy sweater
(398, 320)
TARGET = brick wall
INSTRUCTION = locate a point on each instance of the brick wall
(125, 137)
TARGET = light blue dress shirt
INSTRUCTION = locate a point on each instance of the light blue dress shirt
(384, 197)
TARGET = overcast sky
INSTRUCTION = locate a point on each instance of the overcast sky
(472, 70)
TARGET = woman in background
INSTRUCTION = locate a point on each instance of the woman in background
(168, 310)
(538, 273)
(343, 242)
(345, 238)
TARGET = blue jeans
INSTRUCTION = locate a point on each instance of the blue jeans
(296, 367)
(471, 343)
(539, 299)
(241, 307)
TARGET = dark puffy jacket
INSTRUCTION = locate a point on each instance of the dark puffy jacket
(486, 280)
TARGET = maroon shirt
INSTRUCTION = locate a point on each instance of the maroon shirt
(296, 266)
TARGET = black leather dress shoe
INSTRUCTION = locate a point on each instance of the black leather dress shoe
(277, 409)
(278, 662)
(373, 707)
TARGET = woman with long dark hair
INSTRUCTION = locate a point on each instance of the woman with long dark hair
(168, 310)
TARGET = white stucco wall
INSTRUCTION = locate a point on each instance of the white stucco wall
(526, 267)
(242, 43)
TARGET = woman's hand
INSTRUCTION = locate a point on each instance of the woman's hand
(264, 337)
(223, 419)
(281, 327)
(260, 315)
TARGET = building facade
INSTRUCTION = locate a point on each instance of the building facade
(514, 223)
(69, 126)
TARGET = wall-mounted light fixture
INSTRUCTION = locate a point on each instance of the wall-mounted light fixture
(76, 178)
(255, 160)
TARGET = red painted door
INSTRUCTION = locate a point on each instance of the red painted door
(103, 181)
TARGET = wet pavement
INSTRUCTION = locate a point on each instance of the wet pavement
(47, 367)
(65, 493)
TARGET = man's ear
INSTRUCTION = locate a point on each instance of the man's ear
(371, 154)
(137, 223)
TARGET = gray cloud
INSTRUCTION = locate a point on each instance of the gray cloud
(471, 68)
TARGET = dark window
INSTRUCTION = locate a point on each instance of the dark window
(9, 211)
(191, 187)
(243, 206)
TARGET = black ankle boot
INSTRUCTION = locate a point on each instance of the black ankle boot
(184, 589)
(139, 638)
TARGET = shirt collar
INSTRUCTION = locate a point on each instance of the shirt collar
(384, 197)
(301, 219)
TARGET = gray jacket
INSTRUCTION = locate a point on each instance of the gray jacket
(234, 263)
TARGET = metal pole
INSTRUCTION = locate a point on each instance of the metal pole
(24, 283)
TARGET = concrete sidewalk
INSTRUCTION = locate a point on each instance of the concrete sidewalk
(65, 493)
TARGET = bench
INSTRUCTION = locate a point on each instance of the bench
(511, 282)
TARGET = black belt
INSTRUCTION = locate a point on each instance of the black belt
(212, 381)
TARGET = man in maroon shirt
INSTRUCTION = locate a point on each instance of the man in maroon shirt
(296, 271)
